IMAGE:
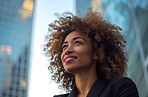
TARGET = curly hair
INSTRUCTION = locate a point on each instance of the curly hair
(105, 39)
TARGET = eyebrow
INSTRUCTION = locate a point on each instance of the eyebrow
(75, 38)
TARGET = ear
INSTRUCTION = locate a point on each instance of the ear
(95, 57)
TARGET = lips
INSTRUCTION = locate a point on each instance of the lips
(69, 58)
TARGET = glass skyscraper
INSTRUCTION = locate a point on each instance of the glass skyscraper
(82, 6)
(132, 17)
(15, 36)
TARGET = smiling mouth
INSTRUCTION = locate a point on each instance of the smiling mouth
(70, 59)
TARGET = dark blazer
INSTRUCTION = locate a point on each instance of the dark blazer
(123, 87)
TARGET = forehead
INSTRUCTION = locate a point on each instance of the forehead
(73, 34)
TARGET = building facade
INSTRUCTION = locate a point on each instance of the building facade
(82, 6)
(15, 36)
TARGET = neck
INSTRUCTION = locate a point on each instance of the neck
(85, 80)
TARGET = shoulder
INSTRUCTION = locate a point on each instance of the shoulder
(61, 95)
(123, 81)
(123, 87)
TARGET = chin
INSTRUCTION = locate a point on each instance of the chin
(73, 69)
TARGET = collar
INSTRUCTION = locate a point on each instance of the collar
(95, 90)
(73, 93)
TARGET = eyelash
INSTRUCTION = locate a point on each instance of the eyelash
(64, 46)
(78, 42)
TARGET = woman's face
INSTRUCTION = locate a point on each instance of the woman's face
(77, 54)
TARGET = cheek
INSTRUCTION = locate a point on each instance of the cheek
(62, 57)
(85, 53)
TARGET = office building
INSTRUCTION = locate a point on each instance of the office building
(15, 35)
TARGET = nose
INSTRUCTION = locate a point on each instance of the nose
(69, 50)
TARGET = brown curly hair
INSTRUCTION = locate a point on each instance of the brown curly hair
(104, 38)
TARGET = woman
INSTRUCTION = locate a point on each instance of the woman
(88, 57)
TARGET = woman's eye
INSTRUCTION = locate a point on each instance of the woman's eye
(78, 42)
(64, 47)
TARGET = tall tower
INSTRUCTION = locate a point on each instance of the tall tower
(15, 35)
(82, 6)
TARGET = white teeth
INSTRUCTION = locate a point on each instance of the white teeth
(68, 58)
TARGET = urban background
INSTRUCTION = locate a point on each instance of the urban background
(16, 23)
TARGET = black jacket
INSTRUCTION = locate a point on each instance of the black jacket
(123, 87)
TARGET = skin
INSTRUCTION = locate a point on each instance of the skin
(81, 62)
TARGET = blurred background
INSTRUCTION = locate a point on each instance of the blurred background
(24, 25)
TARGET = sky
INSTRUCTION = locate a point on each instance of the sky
(40, 83)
